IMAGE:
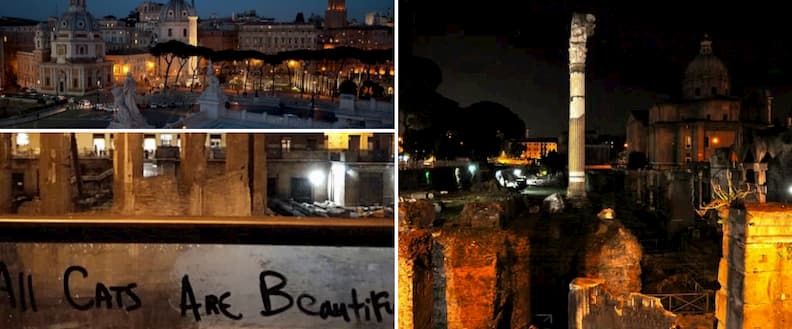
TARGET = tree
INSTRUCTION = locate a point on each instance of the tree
(348, 87)
(200, 53)
(553, 162)
(169, 51)
(516, 149)
(485, 127)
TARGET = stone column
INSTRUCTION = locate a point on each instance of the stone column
(192, 169)
(5, 172)
(259, 175)
(55, 188)
(582, 28)
(237, 152)
(127, 168)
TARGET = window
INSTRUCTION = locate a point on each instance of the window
(709, 117)
(215, 141)
(286, 144)
(170, 32)
(688, 142)
(311, 144)
(698, 91)
(725, 117)
(74, 83)
(166, 140)
(714, 91)
(22, 139)
(706, 141)
(170, 13)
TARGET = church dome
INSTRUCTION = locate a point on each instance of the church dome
(176, 11)
(706, 76)
(76, 19)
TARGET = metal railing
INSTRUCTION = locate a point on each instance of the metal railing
(688, 303)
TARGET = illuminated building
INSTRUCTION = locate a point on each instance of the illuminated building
(270, 37)
(76, 64)
(178, 21)
(336, 14)
(138, 61)
(707, 117)
(537, 148)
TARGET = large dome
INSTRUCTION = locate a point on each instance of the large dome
(76, 19)
(176, 11)
(706, 76)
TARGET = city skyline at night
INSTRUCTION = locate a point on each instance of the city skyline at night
(280, 11)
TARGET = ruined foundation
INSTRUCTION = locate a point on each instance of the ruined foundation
(463, 275)
(591, 305)
(754, 272)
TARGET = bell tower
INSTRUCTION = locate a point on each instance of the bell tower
(336, 14)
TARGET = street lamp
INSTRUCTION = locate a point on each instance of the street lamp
(98, 91)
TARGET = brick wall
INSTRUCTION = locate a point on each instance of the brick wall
(592, 306)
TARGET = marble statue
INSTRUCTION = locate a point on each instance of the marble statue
(127, 114)
(213, 90)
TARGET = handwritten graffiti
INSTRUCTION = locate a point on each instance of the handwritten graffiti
(24, 292)
(276, 298)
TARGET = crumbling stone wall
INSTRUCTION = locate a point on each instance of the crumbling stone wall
(415, 279)
(227, 195)
(612, 252)
(159, 196)
(478, 277)
(591, 305)
(754, 273)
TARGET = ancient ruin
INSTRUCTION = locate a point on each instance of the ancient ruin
(582, 29)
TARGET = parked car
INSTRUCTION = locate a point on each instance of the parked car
(85, 104)
(511, 177)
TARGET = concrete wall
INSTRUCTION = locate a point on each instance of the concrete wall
(754, 272)
(592, 306)
(157, 270)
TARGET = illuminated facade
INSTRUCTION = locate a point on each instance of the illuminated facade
(77, 64)
(140, 62)
(178, 21)
(537, 148)
(271, 38)
(707, 117)
(363, 37)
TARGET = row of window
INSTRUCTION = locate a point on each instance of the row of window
(707, 141)
(283, 40)
(170, 33)
(714, 91)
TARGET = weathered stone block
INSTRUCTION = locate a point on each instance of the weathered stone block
(415, 280)
(416, 215)
(592, 306)
(484, 214)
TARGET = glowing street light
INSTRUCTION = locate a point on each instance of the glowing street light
(316, 177)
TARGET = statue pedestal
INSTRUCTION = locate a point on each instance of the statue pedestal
(346, 102)
(212, 105)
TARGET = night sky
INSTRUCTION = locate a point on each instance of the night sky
(637, 56)
(280, 10)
